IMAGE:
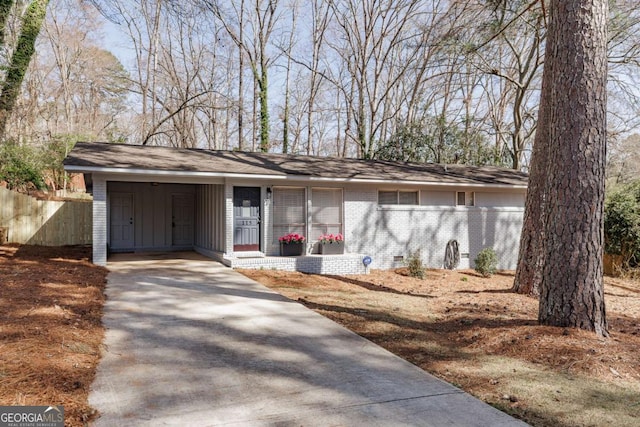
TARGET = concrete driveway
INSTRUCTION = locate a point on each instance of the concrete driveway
(192, 343)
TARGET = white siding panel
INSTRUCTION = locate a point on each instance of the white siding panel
(504, 199)
(437, 198)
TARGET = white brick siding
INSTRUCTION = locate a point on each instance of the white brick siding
(99, 220)
(228, 217)
(314, 264)
(382, 232)
(397, 231)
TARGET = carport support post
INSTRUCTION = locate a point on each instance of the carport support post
(228, 197)
(99, 220)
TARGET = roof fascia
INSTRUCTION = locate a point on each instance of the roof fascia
(299, 178)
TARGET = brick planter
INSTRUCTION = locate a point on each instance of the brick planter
(336, 248)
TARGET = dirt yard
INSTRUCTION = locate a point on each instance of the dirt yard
(466, 329)
(473, 332)
(51, 303)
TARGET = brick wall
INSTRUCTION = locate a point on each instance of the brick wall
(99, 220)
(314, 264)
(391, 232)
(394, 232)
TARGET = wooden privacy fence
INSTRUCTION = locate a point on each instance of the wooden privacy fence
(25, 219)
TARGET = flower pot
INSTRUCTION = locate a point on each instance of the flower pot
(291, 249)
(335, 248)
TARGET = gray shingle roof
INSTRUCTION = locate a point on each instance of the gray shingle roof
(94, 157)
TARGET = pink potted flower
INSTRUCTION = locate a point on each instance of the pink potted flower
(331, 244)
(291, 244)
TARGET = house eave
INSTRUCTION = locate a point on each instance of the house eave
(166, 173)
(406, 182)
(151, 173)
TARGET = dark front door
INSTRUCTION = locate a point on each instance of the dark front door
(246, 217)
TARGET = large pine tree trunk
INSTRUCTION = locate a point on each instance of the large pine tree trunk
(574, 103)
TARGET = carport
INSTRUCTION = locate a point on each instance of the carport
(162, 214)
(150, 216)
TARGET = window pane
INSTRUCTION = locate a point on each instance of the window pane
(471, 198)
(408, 197)
(461, 198)
(288, 211)
(326, 212)
(387, 197)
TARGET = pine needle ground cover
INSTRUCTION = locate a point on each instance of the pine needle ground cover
(474, 333)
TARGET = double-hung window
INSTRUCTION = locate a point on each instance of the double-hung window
(289, 213)
(326, 211)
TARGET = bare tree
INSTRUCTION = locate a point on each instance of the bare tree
(320, 16)
(623, 160)
(380, 40)
(255, 45)
(289, 47)
(370, 68)
(624, 66)
(510, 49)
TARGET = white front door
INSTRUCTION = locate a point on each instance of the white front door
(122, 226)
(182, 219)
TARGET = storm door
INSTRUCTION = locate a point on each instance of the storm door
(246, 218)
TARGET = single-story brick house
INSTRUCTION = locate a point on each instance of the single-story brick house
(233, 206)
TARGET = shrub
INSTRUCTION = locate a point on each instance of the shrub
(622, 223)
(415, 266)
(486, 262)
(21, 166)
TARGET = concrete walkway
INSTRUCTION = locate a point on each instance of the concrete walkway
(192, 343)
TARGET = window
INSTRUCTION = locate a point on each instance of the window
(326, 212)
(289, 214)
(408, 198)
(398, 197)
(466, 198)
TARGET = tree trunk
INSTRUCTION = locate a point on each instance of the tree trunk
(5, 10)
(264, 109)
(240, 80)
(25, 48)
(531, 256)
(574, 100)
